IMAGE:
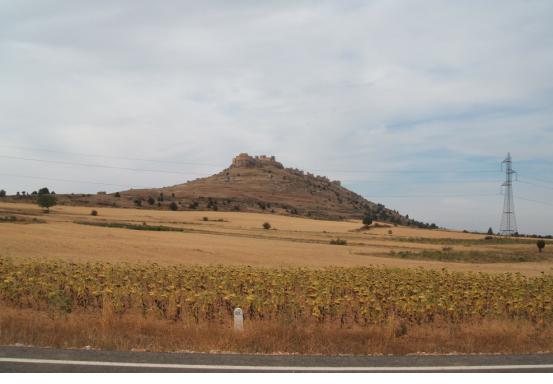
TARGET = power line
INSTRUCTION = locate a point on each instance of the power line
(89, 165)
(534, 184)
(73, 181)
(111, 156)
(435, 195)
(100, 166)
(539, 180)
(535, 201)
(418, 171)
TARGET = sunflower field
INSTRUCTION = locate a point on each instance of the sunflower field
(345, 296)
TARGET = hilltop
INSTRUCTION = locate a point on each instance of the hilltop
(252, 184)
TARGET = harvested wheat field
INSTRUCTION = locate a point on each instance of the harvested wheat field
(235, 238)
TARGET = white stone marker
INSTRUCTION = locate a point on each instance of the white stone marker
(238, 319)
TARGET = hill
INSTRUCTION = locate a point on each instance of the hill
(252, 184)
(261, 183)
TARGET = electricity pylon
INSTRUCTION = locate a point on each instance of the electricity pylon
(508, 221)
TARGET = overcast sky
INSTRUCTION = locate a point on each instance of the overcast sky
(410, 103)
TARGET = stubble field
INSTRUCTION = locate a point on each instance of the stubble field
(238, 239)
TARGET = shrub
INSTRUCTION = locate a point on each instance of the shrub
(138, 202)
(338, 241)
(367, 220)
(488, 238)
(205, 218)
(266, 225)
(2, 193)
(541, 245)
(173, 206)
(151, 200)
(46, 201)
(117, 194)
(94, 212)
(193, 205)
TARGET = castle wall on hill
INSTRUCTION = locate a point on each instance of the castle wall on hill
(244, 160)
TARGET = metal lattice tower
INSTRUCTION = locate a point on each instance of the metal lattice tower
(508, 221)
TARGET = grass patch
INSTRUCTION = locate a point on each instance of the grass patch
(136, 227)
(338, 242)
(482, 241)
(469, 256)
(20, 220)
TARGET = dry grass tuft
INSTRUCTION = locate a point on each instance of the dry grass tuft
(112, 332)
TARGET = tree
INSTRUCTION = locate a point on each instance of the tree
(367, 220)
(173, 206)
(43, 191)
(2, 193)
(490, 231)
(46, 201)
(541, 245)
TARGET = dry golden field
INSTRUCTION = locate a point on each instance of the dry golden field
(185, 274)
(236, 238)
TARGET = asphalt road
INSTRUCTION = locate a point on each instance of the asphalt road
(31, 359)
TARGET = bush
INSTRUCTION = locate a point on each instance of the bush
(2, 193)
(94, 212)
(173, 206)
(367, 220)
(46, 201)
(205, 218)
(541, 245)
(266, 225)
(138, 202)
(151, 200)
(193, 205)
(338, 242)
(117, 194)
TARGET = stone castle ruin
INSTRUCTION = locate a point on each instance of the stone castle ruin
(244, 160)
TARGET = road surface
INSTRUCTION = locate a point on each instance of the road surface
(31, 359)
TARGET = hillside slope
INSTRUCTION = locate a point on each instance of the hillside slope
(251, 184)
(261, 183)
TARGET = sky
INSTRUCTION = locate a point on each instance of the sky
(413, 104)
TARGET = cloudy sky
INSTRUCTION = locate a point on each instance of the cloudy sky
(410, 103)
